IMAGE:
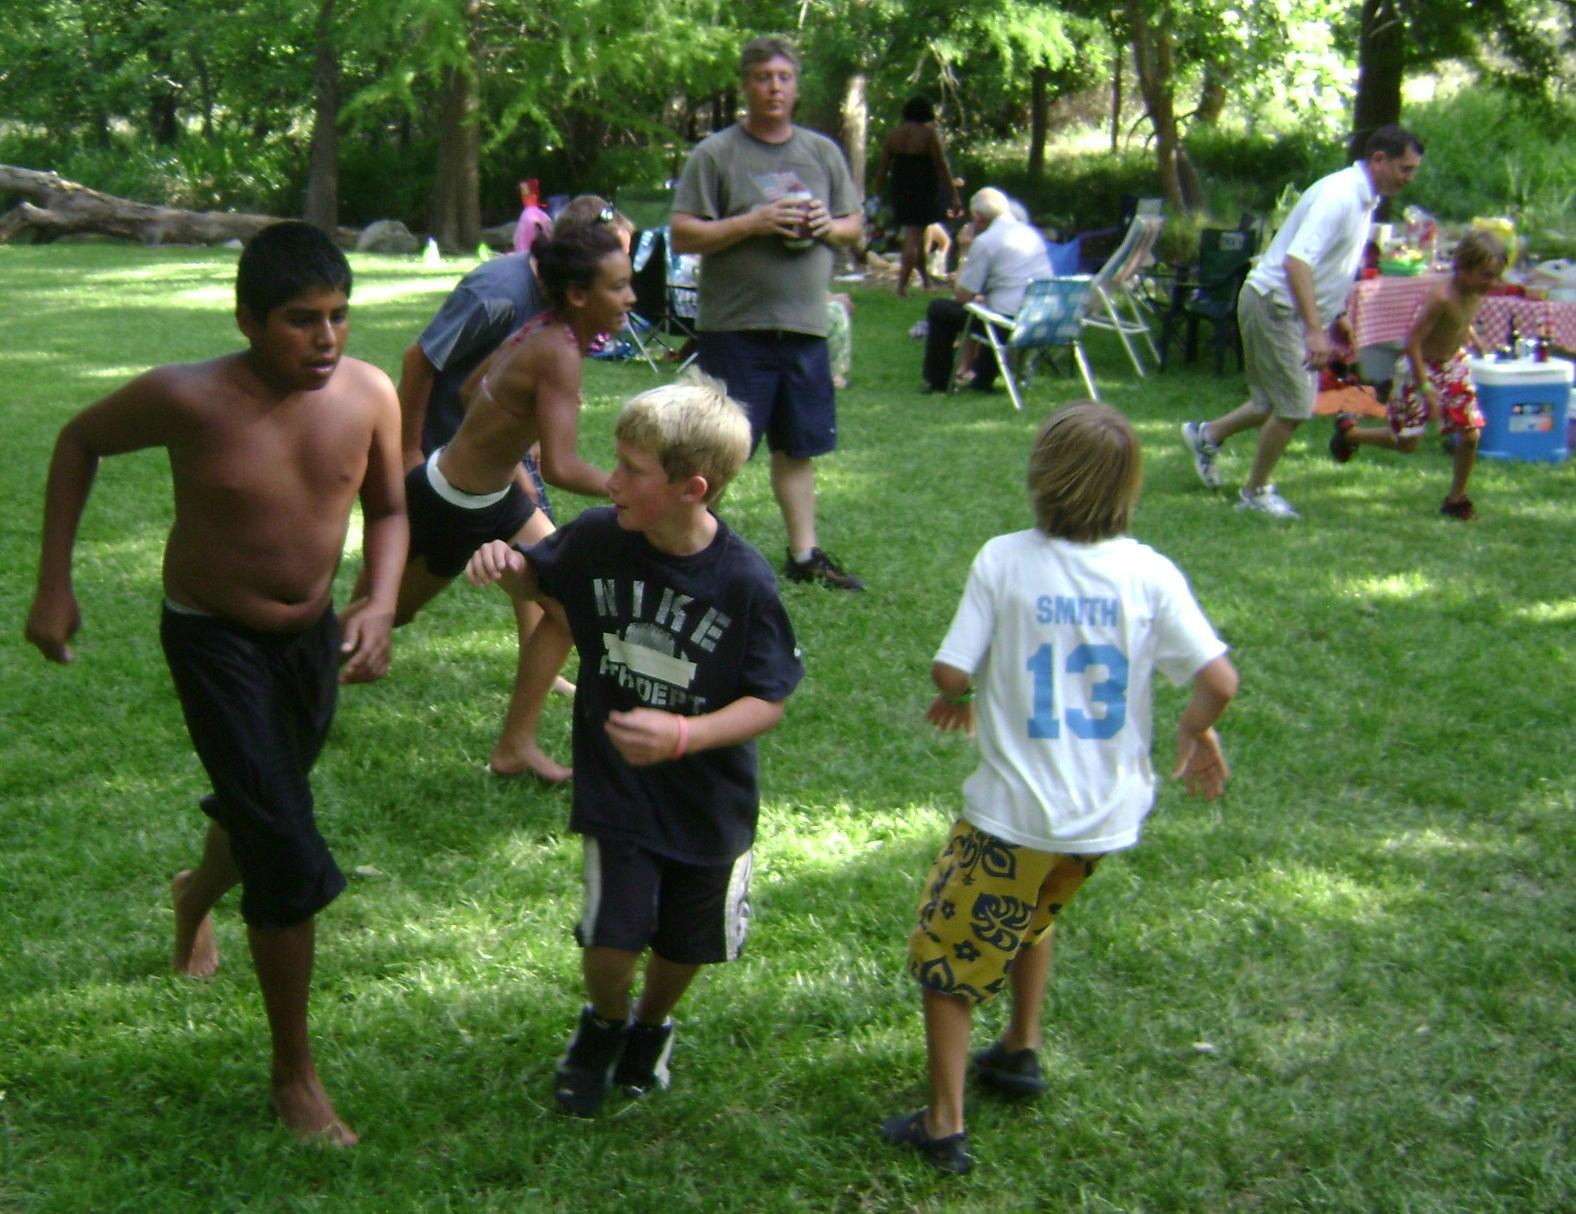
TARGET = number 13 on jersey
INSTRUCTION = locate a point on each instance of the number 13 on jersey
(1106, 697)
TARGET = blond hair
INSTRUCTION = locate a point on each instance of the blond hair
(693, 428)
(1479, 249)
(1084, 472)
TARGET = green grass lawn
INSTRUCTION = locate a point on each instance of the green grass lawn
(1347, 986)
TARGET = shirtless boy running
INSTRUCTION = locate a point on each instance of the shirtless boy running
(1433, 377)
(269, 448)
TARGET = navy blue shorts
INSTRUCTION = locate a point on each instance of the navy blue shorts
(447, 526)
(784, 382)
(692, 914)
(258, 706)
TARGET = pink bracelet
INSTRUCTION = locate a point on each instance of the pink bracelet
(678, 747)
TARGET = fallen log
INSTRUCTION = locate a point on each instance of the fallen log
(54, 207)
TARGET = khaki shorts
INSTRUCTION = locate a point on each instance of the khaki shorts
(1275, 357)
(985, 901)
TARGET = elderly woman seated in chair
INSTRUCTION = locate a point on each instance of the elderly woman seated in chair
(1006, 255)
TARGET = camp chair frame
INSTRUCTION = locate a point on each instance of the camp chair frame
(1114, 304)
(1052, 316)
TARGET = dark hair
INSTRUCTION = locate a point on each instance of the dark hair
(1392, 141)
(764, 49)
(918, 109)
(571, 259)
(285, 259)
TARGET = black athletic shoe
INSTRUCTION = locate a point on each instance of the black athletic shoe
(644, 1062)
(1342, 448)
(1010, 1072)
(581, 1081)
(949, 1154)
(822, 569)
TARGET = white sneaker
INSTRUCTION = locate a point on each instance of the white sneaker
(1266, 501)
(1204, 453)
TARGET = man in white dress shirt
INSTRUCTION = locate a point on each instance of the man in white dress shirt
(1286, 309)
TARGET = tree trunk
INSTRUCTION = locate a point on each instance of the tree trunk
(163, 116)
(58, 207)
(456, 203)
(1116, 98)
(1211, 96)
(1039, 118)
(1157, 83)
(856, 127)
(1381, 66)
(322, 175)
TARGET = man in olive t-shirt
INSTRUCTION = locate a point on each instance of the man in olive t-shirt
(763, 202)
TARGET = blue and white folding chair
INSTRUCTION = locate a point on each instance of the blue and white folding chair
(1050, 318)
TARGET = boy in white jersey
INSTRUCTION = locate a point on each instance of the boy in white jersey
(1062, 628)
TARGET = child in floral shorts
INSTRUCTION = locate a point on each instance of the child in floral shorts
(1433, 377)
(1063, 628)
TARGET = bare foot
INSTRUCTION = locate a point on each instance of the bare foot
(562, 686)
(196, 953)
(305, 1109)
(527, 760)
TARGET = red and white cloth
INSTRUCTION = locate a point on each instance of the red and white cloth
(1381, 309)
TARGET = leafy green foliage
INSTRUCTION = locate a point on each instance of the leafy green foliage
(1491, 153)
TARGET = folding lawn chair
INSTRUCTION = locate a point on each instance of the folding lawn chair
(1114, 304)
(667, 295)
(1050, 318)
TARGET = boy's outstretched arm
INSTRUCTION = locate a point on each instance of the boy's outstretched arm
(648, 735)
(501, 562)
(953, 707)
(1199, 758)
(368, 622)
(128, 419)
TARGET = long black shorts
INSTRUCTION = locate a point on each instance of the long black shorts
(258, 707)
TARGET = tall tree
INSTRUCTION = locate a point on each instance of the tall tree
(322, 181)
(456, 219)
(1526, 44)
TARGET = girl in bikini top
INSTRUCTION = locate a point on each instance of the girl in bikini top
(523, 397)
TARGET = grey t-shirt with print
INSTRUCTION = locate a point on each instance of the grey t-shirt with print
(761, 283)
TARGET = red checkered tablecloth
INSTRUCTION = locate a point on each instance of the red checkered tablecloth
(1381, 310)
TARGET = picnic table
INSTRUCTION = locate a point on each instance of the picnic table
(1381, 309)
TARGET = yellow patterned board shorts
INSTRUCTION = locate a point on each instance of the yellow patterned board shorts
(985, 901)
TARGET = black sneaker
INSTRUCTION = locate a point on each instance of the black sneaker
(644, 1062)
(820, 568)
(582, 1078)
(1009, 1072)
(1460, 509)
(1342, 448)
(949, 1154)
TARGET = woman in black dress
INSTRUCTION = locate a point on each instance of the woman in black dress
(921, 179)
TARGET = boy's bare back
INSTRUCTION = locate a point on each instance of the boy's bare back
(1444, 322)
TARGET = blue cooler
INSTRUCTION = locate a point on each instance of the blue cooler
(1525, 405)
